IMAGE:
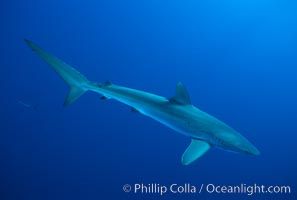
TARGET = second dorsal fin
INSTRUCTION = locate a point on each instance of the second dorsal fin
(181, 95)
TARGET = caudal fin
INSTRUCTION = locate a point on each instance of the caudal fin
(76, 81)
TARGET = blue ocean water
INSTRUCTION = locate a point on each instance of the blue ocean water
(237, 58)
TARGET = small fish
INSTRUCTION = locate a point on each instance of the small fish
(29, 106)
(24, 104)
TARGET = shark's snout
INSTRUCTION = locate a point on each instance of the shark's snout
(247, 147)
(236, 142)
(253, 150)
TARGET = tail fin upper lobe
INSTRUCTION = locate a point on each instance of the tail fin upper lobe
(76, 81)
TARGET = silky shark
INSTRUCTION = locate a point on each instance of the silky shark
(177, 112)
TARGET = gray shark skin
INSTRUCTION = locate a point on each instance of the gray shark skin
(177, 112)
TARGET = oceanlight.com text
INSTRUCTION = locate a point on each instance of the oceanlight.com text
(187, 188)
(247, 189)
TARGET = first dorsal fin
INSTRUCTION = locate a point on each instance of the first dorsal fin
(181, 95)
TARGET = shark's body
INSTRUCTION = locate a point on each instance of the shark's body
(177, 112)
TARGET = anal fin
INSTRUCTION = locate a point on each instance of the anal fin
(195, 150)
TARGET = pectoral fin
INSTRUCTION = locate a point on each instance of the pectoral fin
(195, 150)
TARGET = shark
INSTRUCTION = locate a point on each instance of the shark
(177, 112)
